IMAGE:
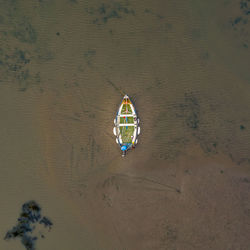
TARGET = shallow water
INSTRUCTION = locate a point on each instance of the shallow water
(65, 66)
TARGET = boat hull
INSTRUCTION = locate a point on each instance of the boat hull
(126, 127)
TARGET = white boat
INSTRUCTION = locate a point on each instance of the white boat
(126, 127)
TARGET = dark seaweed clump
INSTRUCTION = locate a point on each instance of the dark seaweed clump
(240, 23)
(190, 111)
(245, 11)
(25, 32)
(46, 222)
(242, 127)
(105, 12)
(29, 217)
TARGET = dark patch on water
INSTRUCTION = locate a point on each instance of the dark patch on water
(90, 150)
(242, 160)
(168, 236)
(22, 78)
(43, 55)
(104, 12)
(236, 20)
(14, 60)
(46, 222)
(240, 23)
(149, 11)
(58, 33)
(173, 148)
(245, 45)
(190, 111)
(191, 114)
(89, 55)
(207, 144)
(16, 57)
(25, 32)
(195, 115)
(245, 180)
(242, 127)
(16, 23)
(15, 64)
(29, 217)
(204, 56)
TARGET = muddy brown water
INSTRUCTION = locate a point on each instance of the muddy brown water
(65, 66)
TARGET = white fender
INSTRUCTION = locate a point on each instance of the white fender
(114, 121)
(138, 120)
(138, 130)
(136, 141)
(114, 131)
(117, 140)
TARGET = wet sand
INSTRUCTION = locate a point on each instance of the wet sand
(65, 66)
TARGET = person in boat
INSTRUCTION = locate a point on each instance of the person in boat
(124, 150)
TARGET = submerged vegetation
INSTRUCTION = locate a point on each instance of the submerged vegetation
(105, 12)
(240, 20)
(27, 222)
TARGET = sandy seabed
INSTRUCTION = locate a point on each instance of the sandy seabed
(65, 66)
